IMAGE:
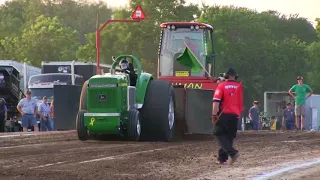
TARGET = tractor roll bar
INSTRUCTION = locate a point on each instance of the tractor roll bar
(135, 59)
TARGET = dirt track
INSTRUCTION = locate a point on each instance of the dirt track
(61, 156)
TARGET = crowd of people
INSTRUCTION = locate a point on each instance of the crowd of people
(300, 92)
(28, 109)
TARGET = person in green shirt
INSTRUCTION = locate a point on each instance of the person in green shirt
(300, 92)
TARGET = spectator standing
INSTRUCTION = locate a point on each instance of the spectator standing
(28, 110)
(44, 112)
(302, 92)
(3, 114)
(52, 115)
(288, 117)
(254, 116)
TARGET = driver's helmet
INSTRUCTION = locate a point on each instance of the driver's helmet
(124, 64)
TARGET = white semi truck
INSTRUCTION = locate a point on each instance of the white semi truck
(61, 73)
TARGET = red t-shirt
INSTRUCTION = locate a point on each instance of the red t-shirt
(229, 94)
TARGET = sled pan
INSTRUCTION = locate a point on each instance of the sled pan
(193, 111)
(198, 111)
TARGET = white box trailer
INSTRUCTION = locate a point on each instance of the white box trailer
(25, 71)
(275, 102)
(312, 106)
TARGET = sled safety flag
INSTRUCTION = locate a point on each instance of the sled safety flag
(188, 59)
(138, 14)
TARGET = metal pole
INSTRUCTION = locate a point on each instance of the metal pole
(98, 51)
(242, 124)
(25, 77)
(98, 71)
(72, 72)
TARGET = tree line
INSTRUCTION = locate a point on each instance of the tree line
(268, 49)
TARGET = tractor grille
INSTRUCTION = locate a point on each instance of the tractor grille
(103, 98)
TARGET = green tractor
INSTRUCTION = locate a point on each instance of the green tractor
(111, 105)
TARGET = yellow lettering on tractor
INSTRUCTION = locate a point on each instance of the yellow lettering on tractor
(190, 85)
(198, 86)
(182, 73)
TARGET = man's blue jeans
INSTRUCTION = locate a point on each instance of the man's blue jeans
(51, 122)
(45, 125)
(290, 125)
(256, 125)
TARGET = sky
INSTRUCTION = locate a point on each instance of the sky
(305, 8)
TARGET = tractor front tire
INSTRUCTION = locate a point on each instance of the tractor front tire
(158, 111)
(134, 125)
(81, 129)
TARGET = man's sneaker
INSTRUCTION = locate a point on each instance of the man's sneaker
(233, 159)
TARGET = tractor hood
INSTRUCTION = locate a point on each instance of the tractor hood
(107, 93)
(106, 80)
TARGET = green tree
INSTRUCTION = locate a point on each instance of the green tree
(8, 47)
(313, 76)
(48, 40)
(318, 26)
(285, 26)
(140, 39)
(12, 20)
(79, 15)
(263, 55)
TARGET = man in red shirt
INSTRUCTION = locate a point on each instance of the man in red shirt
(226, 111)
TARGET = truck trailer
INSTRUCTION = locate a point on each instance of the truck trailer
(13, 83)
(25, 71)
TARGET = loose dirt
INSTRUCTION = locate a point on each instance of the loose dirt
(62, 156)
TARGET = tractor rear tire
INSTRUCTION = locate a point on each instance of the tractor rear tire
(81, 129)
(158, 112)
(134, 125)
(83, 97)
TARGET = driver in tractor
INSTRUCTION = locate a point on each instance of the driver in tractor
(126, 67)
(188, 43)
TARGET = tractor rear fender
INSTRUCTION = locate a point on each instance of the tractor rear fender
(142, 84)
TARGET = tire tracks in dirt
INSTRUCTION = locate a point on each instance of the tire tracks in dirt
(193, 159)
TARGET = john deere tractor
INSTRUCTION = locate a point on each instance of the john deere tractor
(110, 104)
